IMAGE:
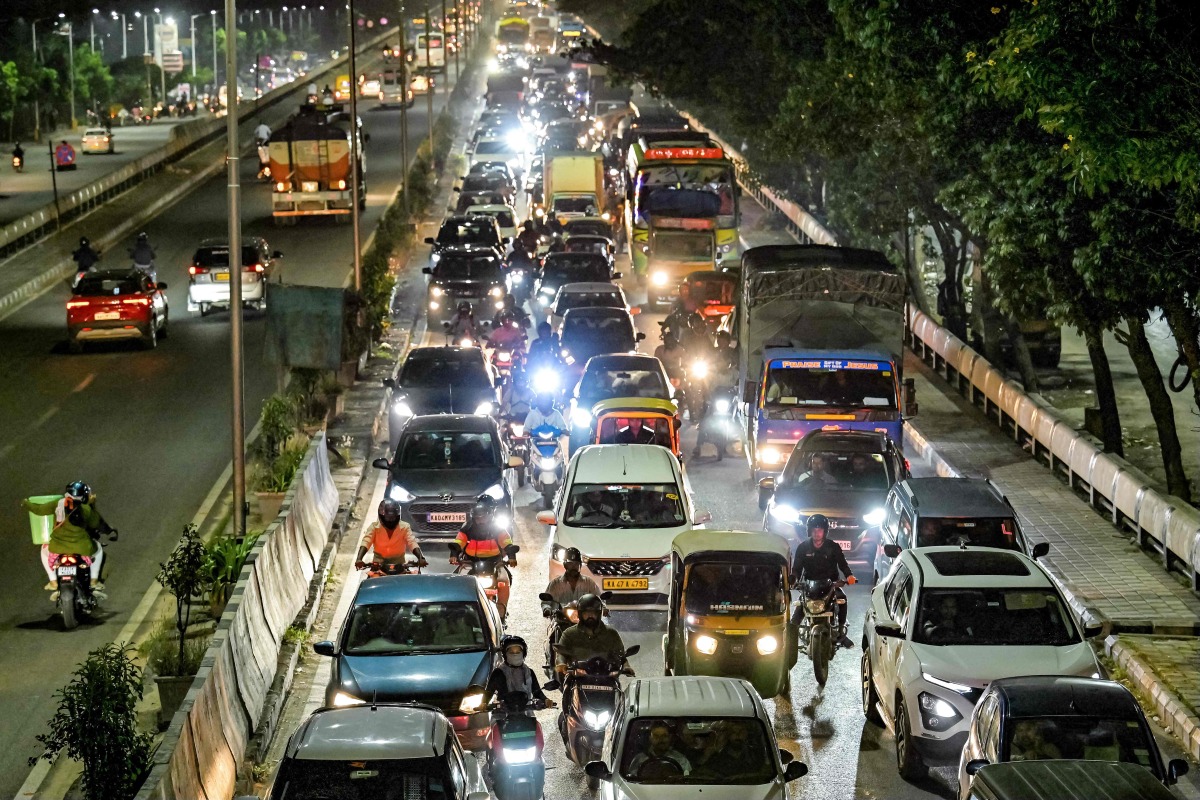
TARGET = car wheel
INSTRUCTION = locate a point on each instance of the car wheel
(908, 761)
(870, 698)
(165, 322)
(150, 340)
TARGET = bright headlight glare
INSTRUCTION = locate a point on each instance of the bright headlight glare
(706, 644)
(402, 408)
(770, 455)
(519, 755)
(547, 464)
(341, 700)
(722, 406)
(483, 409)
(596, 720)
(545, 381)
(581, 416)
(659, 279)
(485, 581)
(497, 291)
(700, 368)
(785, 513)
(471, 703)
(767, 645)
(495, 491)
(873, 517)
(517, 277)
(400, 494)
(936, 706)
(437, 291)
(501, 519)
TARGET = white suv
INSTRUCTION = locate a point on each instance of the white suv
(622, 505)
(945, 623)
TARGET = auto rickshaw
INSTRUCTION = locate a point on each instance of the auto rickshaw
(713, 293)
(636, 420)
(727, 613)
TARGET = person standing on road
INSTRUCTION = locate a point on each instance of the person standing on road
(821, 559)
(391, 538)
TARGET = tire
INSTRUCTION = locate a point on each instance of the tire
(908, 761)
(870, 698)
(165, 323)
(66, 604)
(785, 691)
(1179, 376)
(150, 340)
(820, 650)
(593, 783)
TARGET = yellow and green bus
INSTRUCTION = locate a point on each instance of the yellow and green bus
(663, 167)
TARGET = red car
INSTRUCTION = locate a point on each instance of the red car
(116, 304)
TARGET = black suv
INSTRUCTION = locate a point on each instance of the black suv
(439, 380)
(465, 229)
(561, 268)
(844, 475)
(467, 273)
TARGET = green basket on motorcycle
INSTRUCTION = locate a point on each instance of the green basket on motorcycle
(727, 612)
(636, 420)
(40, 525)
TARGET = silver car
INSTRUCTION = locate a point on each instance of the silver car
(208, 274)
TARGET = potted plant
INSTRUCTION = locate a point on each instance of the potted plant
(172, 676)
(225, 557)
(183, 576)
(309, 398)
(272, 479)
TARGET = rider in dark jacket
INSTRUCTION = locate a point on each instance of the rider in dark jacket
(820, 559)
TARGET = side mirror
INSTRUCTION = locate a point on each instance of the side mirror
(617, 275)
(976, 764)
(1040, 549)
(640, 336)
(389, 383)
(794, 770)
(888, 630)
(552, 686)
(598, 770)
(515, 462)
(547, 518)
(910, 397)
(1093, 630)
(892, 550)
(633, 651)
(606, 596)
(277, 254)
(324, 649)
(785, 757)
(381, 463)
(750, 392)
(766, 488)
(427, 270)
(1176, 769)
(702, 518)
(512, 550)
(429, 240)
(546, 597)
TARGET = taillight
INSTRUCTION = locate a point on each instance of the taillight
(68, 560)
(195, 270)
(256, 268)
(283, 186)
(135, 301)
(76, 303)
(340, 185)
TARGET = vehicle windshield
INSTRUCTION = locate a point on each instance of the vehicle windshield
(728, 589)
(841, 388)
(587, 300)
(587, 227)
(616, 429)
(493, 146)
(577, 244)
(1027, 616)
(575, 268)
(998, 532)
(683, 245)
(1085, 738)
(321, 779)
(600, 384)
(444, 372)
(714, 178)
(113, 287)
(503, 218)
(398, 629)
(838, 471)
(600, 505)
(713, 292)
(575, 205)
(447, 450)
(477, 231)
(698, 750)
(461, 269)
(588, 336)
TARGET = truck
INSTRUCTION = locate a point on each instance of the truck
(573, 187)
(542, 35)
(512, 35)
(682, 229)
(310, 164)
(819, 334)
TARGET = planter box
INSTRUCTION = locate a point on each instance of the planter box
(348, 373)
(269, 505)
(336, 403)
(171, 692)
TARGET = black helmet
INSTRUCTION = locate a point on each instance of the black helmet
(544, 329)
(817, 521)
(485, 505)
(142, 237)
(572, 555)
(464, 306)
(511, 640)
(389, 512)
(84, 241)
(590, 602)
(78, 490)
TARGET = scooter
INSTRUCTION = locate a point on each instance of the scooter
(546, 471)
(515, 745)
(264, 162)
(18, 163)
(485, 570)
(513, 431)
(591, 692)
(73, 574)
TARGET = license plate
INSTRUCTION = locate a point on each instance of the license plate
(626, 583)
(67, 570)
(842, 544)
(107, 315)
(447, 517)
(221, 276)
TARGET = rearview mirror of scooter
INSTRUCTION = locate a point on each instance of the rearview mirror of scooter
(633, 651)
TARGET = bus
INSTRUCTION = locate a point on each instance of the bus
(433, 59)
(666, 166)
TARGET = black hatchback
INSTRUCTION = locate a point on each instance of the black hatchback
(466, 274)
(563, 268)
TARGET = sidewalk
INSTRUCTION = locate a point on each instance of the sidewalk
(1164, 671)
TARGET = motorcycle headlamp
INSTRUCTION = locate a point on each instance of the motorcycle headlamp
(597, 720)
(815, 606)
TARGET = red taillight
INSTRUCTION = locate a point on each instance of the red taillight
(135, 301)
(68, 560)
(76, 303)
(256, 268)
(195, 270)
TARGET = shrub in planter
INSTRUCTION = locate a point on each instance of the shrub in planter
(172, 675)
(224, 558)
(182, 575)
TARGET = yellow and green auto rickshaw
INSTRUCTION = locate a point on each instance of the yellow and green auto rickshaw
(636, 420)
(727, 613)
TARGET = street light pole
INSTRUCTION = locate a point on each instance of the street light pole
(70, 34)
(429, 83)
(355, 182)
(407, 81)
(192, 23)
(214, 44)
(124, 38)
(37, 109)
(235, 285)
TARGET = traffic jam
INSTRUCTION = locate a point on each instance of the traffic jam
(548, 599)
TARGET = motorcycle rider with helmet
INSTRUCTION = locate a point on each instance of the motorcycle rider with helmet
(527, 239)
(77, 529)
(18, 154)
(590, 638)
(514, 675)
(542, 349)
(390, 538)
(462, 324)
(570, 587)
(518, 397)
(820, 559)
(508, 335)
(142, 253)
(482, 536)
(85, 256)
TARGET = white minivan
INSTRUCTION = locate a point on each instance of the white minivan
(622, 506)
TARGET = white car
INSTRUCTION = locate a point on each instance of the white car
(97, 140)
(662, 744)
(945, 623)
(622, 505)
(505, 216)
(497, 150)
(578, 295)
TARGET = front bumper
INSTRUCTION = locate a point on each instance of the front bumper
(648, 596)
(939, 740)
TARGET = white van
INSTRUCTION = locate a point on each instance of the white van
(622, 505)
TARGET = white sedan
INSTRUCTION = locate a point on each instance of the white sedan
(96, 140)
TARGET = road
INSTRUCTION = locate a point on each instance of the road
(148, 430)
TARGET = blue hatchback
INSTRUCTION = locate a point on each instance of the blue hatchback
(427, 638)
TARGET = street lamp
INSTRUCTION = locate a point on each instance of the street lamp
(192, 24)
(214, 44)
(70, 34)
(92, 29)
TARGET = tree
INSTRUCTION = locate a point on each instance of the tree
(183, 575)
(96, 724)
(93, 81)
(13, 90)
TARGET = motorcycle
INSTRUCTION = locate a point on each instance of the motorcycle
(485, 570)
(378, 568)
(591, 691)
(561, 618)
(513, 430)
(465, 339)
(18, 163)
(546, 471)
(520, 282)
(717, 418)
(73, 575)
(503, 359)
(264, 161)
(515, 745)
(695, 387)
(817, 629)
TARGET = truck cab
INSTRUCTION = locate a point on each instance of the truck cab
(675, 248)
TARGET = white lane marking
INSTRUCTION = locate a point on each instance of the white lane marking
(44, 418)
(83, 384)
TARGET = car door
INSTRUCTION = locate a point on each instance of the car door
(886, 658)
(977, 738)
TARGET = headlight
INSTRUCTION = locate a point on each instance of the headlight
(434, 305)
(951, 685)
(471, 703)
(769, 455)
(483, 409)
(814, 606)
(495, 491)
(724, 248)
(466, 341)
(400, 494)
(573, 615)
(659, 279)
(341, 700)
(785, 513)
(700, 368)
(567, 357)
(485, 581)
(547, 464)
(581, 417)
(706, 644)
(496, 292)
(519, 755)
(722, 406)
(501, 519)
(436, 291)
(545, 299)
(559, 553)
(545, 381)
(873, 518)
(767, 645)
(517, 277)
(517, 429)
(435, 258)
(402, 409)
(597, 720)
(936, 713)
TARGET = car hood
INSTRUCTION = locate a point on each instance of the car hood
(458, 482)
(604, 543)
(769, 791)
(416, 677)
(443, 400)
(831, 502)
(978, 666)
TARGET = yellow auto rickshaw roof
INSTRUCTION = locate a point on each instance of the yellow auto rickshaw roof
(653, 405)
(692, 543)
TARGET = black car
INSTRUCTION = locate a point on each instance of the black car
(486, 197)
(588, 332)
(465, 229)
(615, 375)
(442, 463)
(439, 380)
(478, 182)
(465, 273)
(560, 268)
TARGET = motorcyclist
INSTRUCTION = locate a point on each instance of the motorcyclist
(671, 354)
(77, 529)
(462, 324)
(262, 133)
(723, 360)
(508, 335)
(391, 538)
(571, 586)
(518, 397)
(142, 253)
(820, 559)
(327, 95)
(590, 638)
(19, 154)
(527, 239)
(514, 675)
(482, 536)
(542, 349)
(85, 257)
(544, 413)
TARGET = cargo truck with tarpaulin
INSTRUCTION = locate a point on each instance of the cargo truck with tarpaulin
(310, 162)
(820, 334)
